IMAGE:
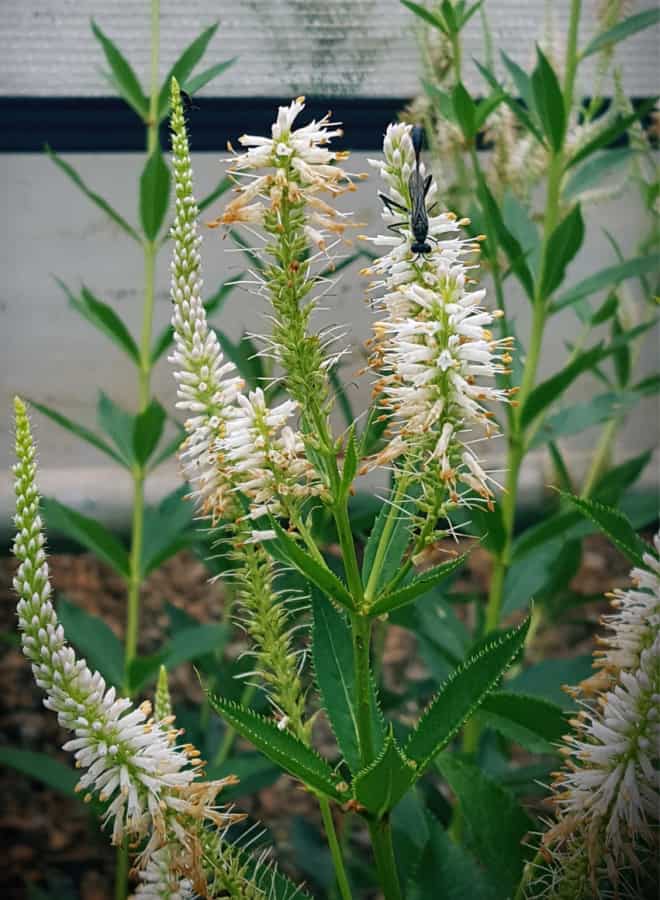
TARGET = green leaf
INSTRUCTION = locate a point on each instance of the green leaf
(88, 532)
(621, 31)
(577, 418)
(607, 278)
(332, 653)
(564, 244)
(549, 101)
(488, 526)
(183, 67)
(123, 76)
(606, 310)
(465, 110)
(41, 767)
(318, 574)
(446, 863)
(166, 529)
(104, 318)
(529, 576)
(381, 785)
(462, 694)
(79, 430)
(610, 134)
(281, 747)
(244, 355)
(597, 169)
(193, 642)
(170, 448)
(117, 424)
(545, 679)
(534, 723)
(417, 587)
(615, 525)
(397, 542)
(154, 194)
(213, 305)
(423, 13)
(95, 640)
(509, 244)
(495, 822)
(547, 392)
(486, 106)
(350, 462)
(147, 431)
(521, 80)
(92, 195)
(196, 82)
(610, 486)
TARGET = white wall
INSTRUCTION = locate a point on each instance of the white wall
(51, 354)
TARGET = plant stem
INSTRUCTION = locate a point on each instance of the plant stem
(381, 549)
(135, 575)
(335, 849)
(381, 840)
(121, 871)
(361, 629)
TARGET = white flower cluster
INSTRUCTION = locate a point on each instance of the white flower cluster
(298, 152)
(267, 457)
(433, 350)
(609, 791)
(128, 760)
(159, 880)
(235, 442)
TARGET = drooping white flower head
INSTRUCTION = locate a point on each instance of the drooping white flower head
(433, 349)
(127, 759)
(267, 456)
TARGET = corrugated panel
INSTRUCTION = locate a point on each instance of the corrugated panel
(363, 47)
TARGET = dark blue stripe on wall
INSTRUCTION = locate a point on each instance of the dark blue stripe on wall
(89, 124)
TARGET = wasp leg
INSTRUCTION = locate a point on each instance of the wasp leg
(392, 205)
(395, 226)
(433, 207)
(427, 184)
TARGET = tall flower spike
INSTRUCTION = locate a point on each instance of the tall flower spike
(281, 179)
(433, 349)
(127, 760)
(207, 388)
(608, 793)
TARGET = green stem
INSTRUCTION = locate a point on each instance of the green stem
(335, 849)
(383, 543)
(381, 840)
(121, 871)
(135, 575)
(601, 455)
(361, 630)
(349, 554)
(147, 323)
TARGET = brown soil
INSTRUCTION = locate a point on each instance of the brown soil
(45, 835)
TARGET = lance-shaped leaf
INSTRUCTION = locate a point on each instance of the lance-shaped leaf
(154, 193)
(549, 101)
(350, 462)
(594, 172)
(95, 640)
(381, 785)
(183, 67)
(92, 195)
(610, 134)
(104, 318)
(607, 278)
(196, 82)
(621, 31)
(281, 747)
(123, 76)
(615, 525)
(79, 430)
(496, 824)
(396, 542)
(564, 244)
(534, 723)
(462, 694)
(117, 424)
(417, 587)
(88, 532)
(147, 431)
(515, 253)
(318, 573)
(547, 392)
(41, 767)
(334, 668)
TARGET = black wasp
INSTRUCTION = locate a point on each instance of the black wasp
(418, 188)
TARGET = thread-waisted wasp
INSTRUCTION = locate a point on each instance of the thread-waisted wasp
(418, 188)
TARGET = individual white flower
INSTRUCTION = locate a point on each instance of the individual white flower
(433, 349)
(127, 760)
(206, 386)
(267, 457)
